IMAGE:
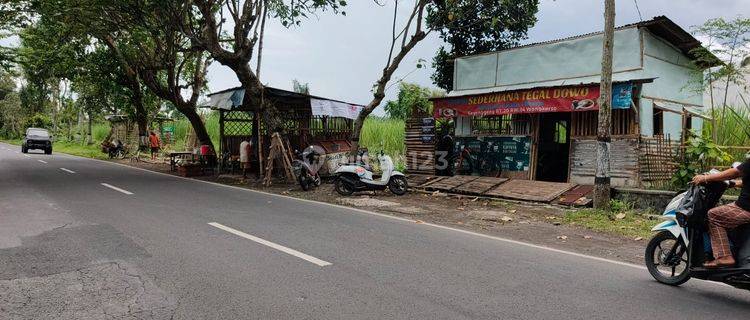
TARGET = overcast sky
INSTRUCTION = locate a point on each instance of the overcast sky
(341, 56)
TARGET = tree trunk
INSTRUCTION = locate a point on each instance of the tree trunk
(198, 126)
(90, 135)
(603, 135)
(391, 66)
(79, 125)
(140, 113)
(260, 40)
(714, 134)
(359, 123)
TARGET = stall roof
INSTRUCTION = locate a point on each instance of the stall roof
(229, 99)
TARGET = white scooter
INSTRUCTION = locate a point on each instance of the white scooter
(681, 244)
(354, 177)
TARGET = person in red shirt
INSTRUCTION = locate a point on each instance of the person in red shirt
(155, 143)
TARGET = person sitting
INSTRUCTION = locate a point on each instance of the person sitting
(726, 217)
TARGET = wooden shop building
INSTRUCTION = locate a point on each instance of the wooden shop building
(530, 112)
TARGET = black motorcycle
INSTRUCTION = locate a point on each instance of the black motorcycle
(306, 167)
(116, 150)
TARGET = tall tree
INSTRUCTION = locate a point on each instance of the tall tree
(410, 96)
(476, 26)
(13, 16)
(300, 87)
(166, 60)
(84, 20)
(59, 47)
(425, 16)
(231, 40)
(730, 41)
(405, 35)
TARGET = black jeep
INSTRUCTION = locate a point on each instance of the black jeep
(36, 138)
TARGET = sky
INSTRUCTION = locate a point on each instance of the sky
(342, 56)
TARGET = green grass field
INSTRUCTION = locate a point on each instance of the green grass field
(377, 134)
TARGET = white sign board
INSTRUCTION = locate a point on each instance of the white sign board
(334, 108)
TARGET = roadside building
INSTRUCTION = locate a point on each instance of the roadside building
(307, 120)
(530, 112)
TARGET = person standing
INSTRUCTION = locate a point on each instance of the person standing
(155, 144)
(245, 149)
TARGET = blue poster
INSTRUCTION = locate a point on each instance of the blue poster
(622, 95)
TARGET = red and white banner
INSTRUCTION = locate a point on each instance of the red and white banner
(557, 99)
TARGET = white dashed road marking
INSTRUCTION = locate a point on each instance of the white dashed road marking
(279, 247)
(117, 189)
(42, 161)
(67, 170)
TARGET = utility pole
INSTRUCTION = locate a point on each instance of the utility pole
(604, 131)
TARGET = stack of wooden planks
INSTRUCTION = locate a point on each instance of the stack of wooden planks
(420, 145)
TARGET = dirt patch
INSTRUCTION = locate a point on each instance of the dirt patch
(534, 223)
(366, 201)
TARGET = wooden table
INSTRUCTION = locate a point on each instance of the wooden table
(181, 155)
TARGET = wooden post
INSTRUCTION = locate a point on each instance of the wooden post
(603, 134)
(221, 132)
(684, 133)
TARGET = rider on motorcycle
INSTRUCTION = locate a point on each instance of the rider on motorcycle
(729, 216)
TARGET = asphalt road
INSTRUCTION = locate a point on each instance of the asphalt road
(84, 239)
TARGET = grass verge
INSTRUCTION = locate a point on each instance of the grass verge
(627, 223)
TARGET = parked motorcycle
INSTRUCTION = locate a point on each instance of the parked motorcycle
(682, 243)
(355, 177)
(306, 168)
(116, 150)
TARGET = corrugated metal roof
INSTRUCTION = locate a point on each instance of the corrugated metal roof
(660, 26)
(232, 97)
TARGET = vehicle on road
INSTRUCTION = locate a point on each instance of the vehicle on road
(306, 167)
(355, 177)
(682, 244)
(36, 138)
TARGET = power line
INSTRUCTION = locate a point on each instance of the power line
(638, 9)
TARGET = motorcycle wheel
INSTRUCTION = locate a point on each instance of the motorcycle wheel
(317, 180)
(672, 271)
(344, 188)
(398, 185)
(303, 181)
(120, 154)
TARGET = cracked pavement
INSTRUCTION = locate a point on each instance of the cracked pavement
(111, 290)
